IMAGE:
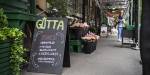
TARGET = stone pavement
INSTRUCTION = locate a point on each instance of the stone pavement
(108, 59)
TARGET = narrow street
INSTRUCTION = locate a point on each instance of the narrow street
(54, 37)
(108, 59)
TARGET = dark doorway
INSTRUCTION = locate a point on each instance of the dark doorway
(145, 37)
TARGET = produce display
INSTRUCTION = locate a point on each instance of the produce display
(91, 37)
(81, 25)
(81, 32)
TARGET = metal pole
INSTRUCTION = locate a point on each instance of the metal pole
(131, 12)
(139, 25)
(139, 21)
(83, 10)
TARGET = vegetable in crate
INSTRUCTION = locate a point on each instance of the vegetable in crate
(81, 25)
(90, 37)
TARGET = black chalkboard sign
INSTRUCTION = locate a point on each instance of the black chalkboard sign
(48, 46)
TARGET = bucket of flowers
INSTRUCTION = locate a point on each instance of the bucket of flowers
(89, 42)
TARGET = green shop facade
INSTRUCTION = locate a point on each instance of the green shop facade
(21, 15)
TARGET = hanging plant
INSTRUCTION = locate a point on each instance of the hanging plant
(16, 37)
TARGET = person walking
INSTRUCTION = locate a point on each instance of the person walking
(120, 27)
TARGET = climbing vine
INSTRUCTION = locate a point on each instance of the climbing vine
(15, 36)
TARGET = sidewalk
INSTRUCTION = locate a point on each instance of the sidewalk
(108, 59)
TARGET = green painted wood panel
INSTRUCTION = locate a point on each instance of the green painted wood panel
(5, 57)
(3, 65)
(6, 73)
(10, 5)
(18, 9)
(3, 60)
(20, 16)
(5, 50)
(4, 45)
(5, 69)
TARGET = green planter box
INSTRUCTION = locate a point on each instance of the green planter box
(5, 57)
(75, 45)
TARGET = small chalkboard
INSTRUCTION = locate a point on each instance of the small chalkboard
(48, 46)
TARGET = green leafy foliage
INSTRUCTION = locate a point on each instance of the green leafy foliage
(16, 37)
(61, 5)
(93, 29)
(3, 19)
